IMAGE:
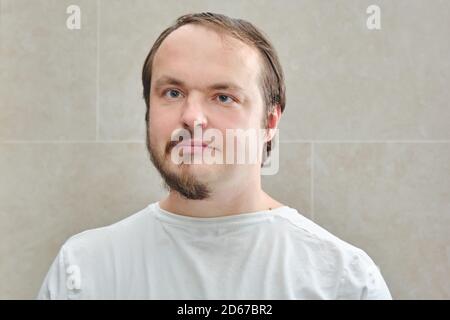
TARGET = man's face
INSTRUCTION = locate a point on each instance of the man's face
(199, 58)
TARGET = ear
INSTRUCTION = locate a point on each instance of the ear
(272, 122)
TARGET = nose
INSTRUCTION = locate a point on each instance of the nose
(193, 113)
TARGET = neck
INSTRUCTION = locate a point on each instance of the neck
(239, 197)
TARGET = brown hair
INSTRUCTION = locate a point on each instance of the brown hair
(272, 78)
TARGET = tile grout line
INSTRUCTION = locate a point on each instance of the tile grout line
(1, 31)
(285, 141)
(68, 141)
(312, 180)
(364, 141)
(97, 99)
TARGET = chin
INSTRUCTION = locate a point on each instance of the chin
(199, 170)
(192, 166)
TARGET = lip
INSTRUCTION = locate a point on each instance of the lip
(193, 143)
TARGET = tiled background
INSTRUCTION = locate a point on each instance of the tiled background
(365, 137)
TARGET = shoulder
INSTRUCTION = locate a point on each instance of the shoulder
(356, 274)
(305, 229)
(124, 230)
(88, 257)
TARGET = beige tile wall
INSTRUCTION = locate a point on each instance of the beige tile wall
(365, 136)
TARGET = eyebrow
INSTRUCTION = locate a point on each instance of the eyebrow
(164, 80)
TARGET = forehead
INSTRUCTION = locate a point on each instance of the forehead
(202, 55)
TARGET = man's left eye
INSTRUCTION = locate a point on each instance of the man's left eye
(223, 98)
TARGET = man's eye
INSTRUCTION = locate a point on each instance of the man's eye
(223, 98)
(172, 93)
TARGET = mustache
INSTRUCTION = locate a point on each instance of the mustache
(171, 145)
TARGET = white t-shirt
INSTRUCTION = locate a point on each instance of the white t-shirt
(156, 254)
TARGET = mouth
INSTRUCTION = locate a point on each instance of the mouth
(190, 146)
(193, 144)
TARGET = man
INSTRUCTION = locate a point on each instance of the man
(217, 235)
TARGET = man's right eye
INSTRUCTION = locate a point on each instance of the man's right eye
(172, 93)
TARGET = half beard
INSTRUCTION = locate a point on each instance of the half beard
(185, 184)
